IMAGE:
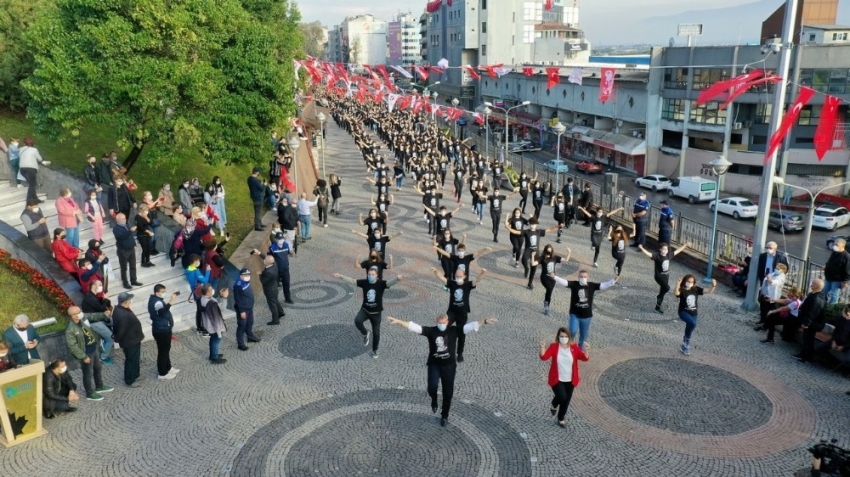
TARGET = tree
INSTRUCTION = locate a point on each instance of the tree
(16, 61)
(314, 38)
(208, 75)
(354, 50)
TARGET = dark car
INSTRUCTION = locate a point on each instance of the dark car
(832, 240)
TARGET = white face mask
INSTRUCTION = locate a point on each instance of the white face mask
(688, 285)
(63, 369)
(280, 243)
(563, 339)
(442, 326)
(835, 248)
(3, 355)
(36, 209)
(582, 281)
(97, 290)
(246, 279)
(461, 254)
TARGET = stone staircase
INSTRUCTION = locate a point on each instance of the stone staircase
(13, 201)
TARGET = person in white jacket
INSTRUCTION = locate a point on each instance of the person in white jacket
(30, 158)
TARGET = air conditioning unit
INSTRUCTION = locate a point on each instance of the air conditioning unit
(737, 125)
(748, 124)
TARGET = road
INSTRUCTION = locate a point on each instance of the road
(791, 242)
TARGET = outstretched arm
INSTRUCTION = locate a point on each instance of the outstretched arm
(392, 281)
(442, 252)
(390, 264)
(645, 251)
(474, 325)
(348, 280)
(713, 287)
(373, 181)
(439, 277)
(552, 229)
(430, 212)
(356, 232)
(678, 286)
(609, 214)
(462, 239)
(396, 235)
(479, 277)
(484, 251)
(360, 220)
(569, 254)
(681, 249)
(457, 209)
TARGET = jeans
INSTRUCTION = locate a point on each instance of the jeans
(15, 168)
(306, 220)
(398, 182)
(258, 214)
(582, 326)
(215, 341)
(105, 333)
(72, 236)
(92, 368)
(163, 350)
(132, 357)
(640, 231)
(444, 373)
(832, 290)
(31, 176)
(244, 326)
(375, 320)
(690, 324)
(479, 211)
(563, 395)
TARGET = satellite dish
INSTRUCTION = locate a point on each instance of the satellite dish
(672, 42)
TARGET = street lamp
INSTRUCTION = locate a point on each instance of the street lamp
(434, 110)
(455, 102)
(487, 112)
(321, 118)
(813, 196)
(507, 123)
(720, 166)
(559, 130)
(294, 143)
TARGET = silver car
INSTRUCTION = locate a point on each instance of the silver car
(786, 221)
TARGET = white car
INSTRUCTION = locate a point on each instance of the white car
(830, 217)
(655, 182)
(738, 207)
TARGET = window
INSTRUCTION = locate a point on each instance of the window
(705, 77)
(816, 170)
(804, 140)
(812, 37)
(839, 36)
(483, 27)
(758, 139)
(673, 109)
(483, 50)
(763, 112)
(676, 78)
(484, 4)
(532, 12)
(708, 113)
(528, 33)
(809, 116)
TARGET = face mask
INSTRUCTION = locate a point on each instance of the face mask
(3, 355)
(63, 369)
(835, 248)
(533, 227)
(563, 339)
(246, 279)
(81, 315)
(167, 187)
(217, 182)
(97, 290)
(442, 326)
(459, 281)
(372, 279)
(185, 184)
(461, 254)
(119, 184)
(36, 209)
(280, 243)
(373, 215)
(772, 252)
(688, 285)
(582, 281)
(94, 197)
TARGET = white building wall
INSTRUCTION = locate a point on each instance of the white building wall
(372, 34)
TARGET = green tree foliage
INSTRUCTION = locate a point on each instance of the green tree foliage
(314, 38)
(210, 75)
(16, 61)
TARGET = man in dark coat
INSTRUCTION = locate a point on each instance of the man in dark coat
(269, 278)
(59, 389)
(812, 316)
(128, 334)
(257, 191)
(243, 302)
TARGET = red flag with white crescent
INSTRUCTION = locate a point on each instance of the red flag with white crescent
(788, 121)
(528, 71)
(825, 133)
(606, 84)
(472, 72)
(554, 76)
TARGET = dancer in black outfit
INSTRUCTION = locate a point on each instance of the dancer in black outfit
(373, 305)
(548, 259)
(597, 229)
(662, 269)
(618, 239)
(524, 188)
(458, 311)
(537, 197)
(532, 238)
(496, 202)
(515, 224)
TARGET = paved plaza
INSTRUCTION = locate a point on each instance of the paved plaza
(309, 400)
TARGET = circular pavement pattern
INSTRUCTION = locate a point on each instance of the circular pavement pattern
(316, 294)
(790, 424)
(384, 432)
(406, 292)
(657, 386)
(638, 304)
(323, 343)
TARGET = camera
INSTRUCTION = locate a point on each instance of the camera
(830, 460)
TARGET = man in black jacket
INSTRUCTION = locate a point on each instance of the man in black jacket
(96, 302)
(128, 335)
(59, 389)
(257, 190)
(288, 218)
(243, 302)
(121, 199)
(767, 263)
(269, 279)
(836, 272)
(103, 169)
(585, 201)
(125, 245)
(812, 316)
(571, 198)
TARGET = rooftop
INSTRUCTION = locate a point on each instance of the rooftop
(828, 27)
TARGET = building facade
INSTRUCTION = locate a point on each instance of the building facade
(358, 40)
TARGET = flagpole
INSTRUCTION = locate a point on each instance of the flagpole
(776, 114)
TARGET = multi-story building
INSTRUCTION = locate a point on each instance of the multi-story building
(403, 40)
(359, 40)
(333, 50)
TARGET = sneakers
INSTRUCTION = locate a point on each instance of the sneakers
(134, 384)
(685, 350)
(174, 370)
(553, 410)
(243, 348)
(326, 225)
(434, 406)
(546, 311)
(168, 376)
(104, 389)
(766, 340)
(444, 421)
(374, 355)
(460, 358)
(659, 310)
(366, 337)
(595, 265)
(94, 397)
(107, 361)
(218, 361)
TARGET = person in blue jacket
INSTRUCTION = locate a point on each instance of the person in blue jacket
(243, 301)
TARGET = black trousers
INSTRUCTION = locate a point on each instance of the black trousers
(516, 245)
(640, 231)
(523, 201)
(244, 326)
(283, 277)
(132, 360)
(459, 318)
(31, 175)
(258, 214)
(163, 351)
(549, 284)
(496, 216)
(663, 282)
(323, 215)
(764, 307)
(445, 374)
(620, 259)
(530, 270)
(145, 244)
(563, 395)
(127, 259)
(538, 204)
(92, 370)
(274, 306)
(808, 351)
(375, 320)
(596, 242)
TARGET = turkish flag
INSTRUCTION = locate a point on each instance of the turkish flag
(737, 82)
(478, 118)
(554, 75)
(788, 121)
(423, 74)
(825, 133)
(606, 84)
(548, 5)
(738, 91)
(383, 70)
(528, 71)
(473, 73)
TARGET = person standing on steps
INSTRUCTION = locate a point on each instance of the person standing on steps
(661, 259)
(564, 355)
(640, 216)
(458, 311)
(270, 279)
(688, 292)
(29, 159)
(582, 292)
(497, 200)
(84, 345)
(547, 274)
(125, 248)
(257, 192)
(372, 306)
(666, 223)
(598, 226)
(243, 302)
(618, 238)
(127, 331)
(162, 324)
(515, 225)
(442, 366)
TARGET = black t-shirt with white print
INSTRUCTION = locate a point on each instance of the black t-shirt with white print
(549, 264)
(459, 295)
(688, 299)
(532, 238)
(373, 295)
(581, 298)
(496, 201)
(662, 263)
(441, 344)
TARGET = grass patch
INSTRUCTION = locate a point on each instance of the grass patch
(97, 140)
(21, 297)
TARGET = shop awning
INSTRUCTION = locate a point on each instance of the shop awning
(610, 140)
(526, 119)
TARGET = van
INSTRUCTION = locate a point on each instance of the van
(694, 188)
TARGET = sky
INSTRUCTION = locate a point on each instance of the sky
(604, 21)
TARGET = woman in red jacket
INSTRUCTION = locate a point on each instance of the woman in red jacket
(65, 253)
(563, 371)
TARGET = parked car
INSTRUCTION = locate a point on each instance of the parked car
(694, 188)
(557, 165)
(786, 221)
(655, 182)
(522, 146)
(832, 240)
(590, 167)
(830, 217)
(738, 207)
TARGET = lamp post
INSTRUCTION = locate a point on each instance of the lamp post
(294, 143)
(559, 130)
(455, 102)
(434, 110)
(321, 118)
(720, 166)
(507, 124)
(811, 214)
(487, 112)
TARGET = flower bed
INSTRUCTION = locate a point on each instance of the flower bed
(56, 300)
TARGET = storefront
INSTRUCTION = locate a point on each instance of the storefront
(615, 150)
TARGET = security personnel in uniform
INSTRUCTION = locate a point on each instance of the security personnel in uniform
(640, 215)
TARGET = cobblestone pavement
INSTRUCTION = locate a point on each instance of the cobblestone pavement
(310, 400)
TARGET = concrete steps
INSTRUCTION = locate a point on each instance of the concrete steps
(13, 201)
